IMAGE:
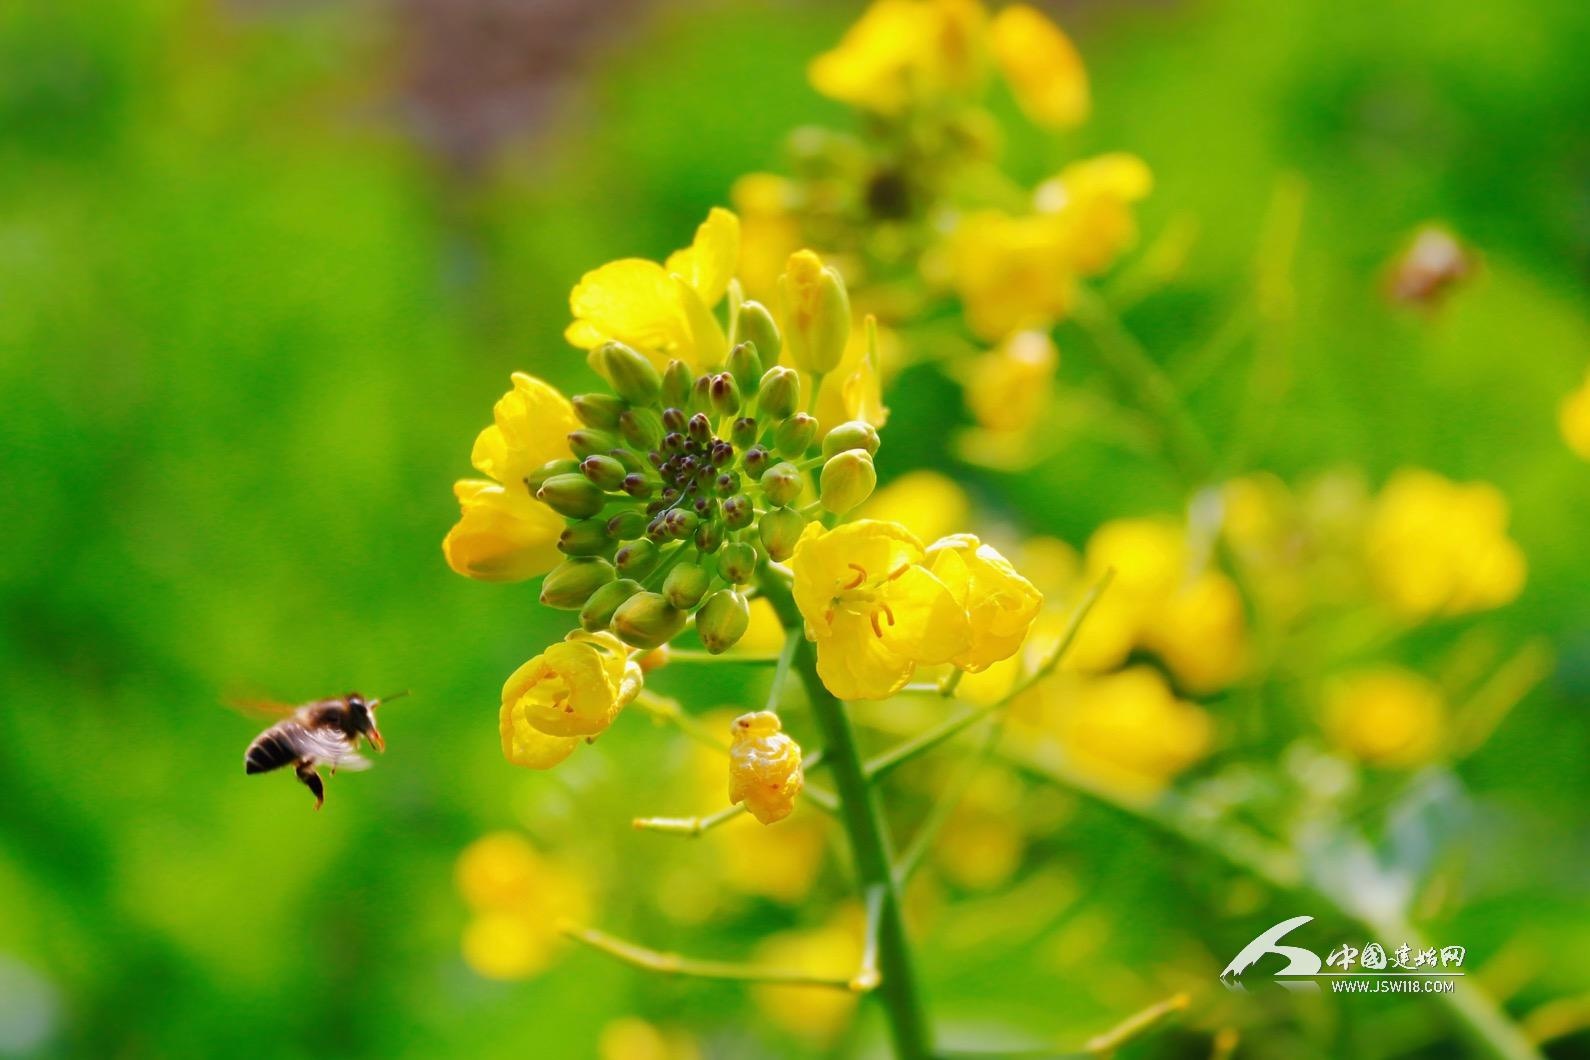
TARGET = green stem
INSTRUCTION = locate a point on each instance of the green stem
(869, 844)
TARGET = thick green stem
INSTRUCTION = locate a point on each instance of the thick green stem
(869, 843)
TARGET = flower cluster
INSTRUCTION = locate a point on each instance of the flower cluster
(517, 897)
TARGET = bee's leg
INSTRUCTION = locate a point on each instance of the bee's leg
(311, 780)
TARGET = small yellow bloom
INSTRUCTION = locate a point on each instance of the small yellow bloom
(817, 1014)
(1041, 65)
(854, 390)
(530, 426)
(1149, 557)
(1090, 202)
(874, 610)
(1010, 388)
(1011, 272)
(770, 231)
(632, 1038)
(574, 688)
(1201, 633)
(1439, 547)
(902, 52)
(1573, 417)
(664, 311)
(518, 899)
(507, 946)
(764, 767)
(927, 503)
(815, 313)
(1386, 716)
(999, 603)
(1128, 729)
(502, 534)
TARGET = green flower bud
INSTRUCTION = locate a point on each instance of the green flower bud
(738, 511)
(782, 483)
(630, 374)
(737, 562)
(685, 585)
(816, 312)
(587, 441)
(847, 480)
(795, 435)
(626, 525)
(779, 393)
(745, 364)
(676, 384)
(757, 326)
(637, 558)
(647, 620)
(857, 434)
(633, 462)
(572, 495)
(588, 537)
(568, 585)
(598, 610)
(598, 410)
(779, 530)
(539, 476)
(723, 620)
(604, 471)
(725, 394)
(743, 432)
(641, 428)
(709, 536)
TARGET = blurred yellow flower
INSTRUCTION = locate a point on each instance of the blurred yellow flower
(1091, 201)
(1573, 417)
(927, 503)
(1010, 272)
(817, 1014)
(518, 899)
(632, 1038)
(770, 231)
(574, 688)
(982, 843)
(999, 603)
(874, 610)
(665, 311)
(1126, 729)
(854, 389)
(1387, 716)
(1010, 387)
(1201, 633)
(1439, 547)
(764, 767)
(1041, 66)
(902, 52)
(764, 635)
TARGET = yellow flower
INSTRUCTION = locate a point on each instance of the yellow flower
(1009, 388)
(1041, 65)
(982, 843)
(502, 534)
(574, 688)
(874, 610)
(1573, 417)
(902, 52)
(817, 1014)
(1440, 547)
(507, 946)
(927, 503)
(1090, 202)
(1127, 729)
(770, 231)
(854, 389)
(781, 864)
(764, 767)
(999, 603)
(1201, 633)
(1010, 272)
(665, 311)
(1386, 716)
(632, 1038)
(518, 899)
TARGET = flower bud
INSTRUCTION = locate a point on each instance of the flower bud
(757, 326)
(795, 435)
(638, 486)
(588, 441)
(539, 476)
(725, 394)
(746, 365)
(726, 484)
(764, 767)
(782, 483)
(637, 558)
(676, 384)
(572, 495)
(630, 374)
(709, 535)
(598, 610)
(588, 537)
(816, 312)
(699, 429)
(779, 393)
(626, 524)
(633, 462)
(757, 460)
(779, 530)
(701, 394)
(647, 620)
(857, 434)
(742, 433)
(603, 471)
(737, 562)
(738, 511)
(598, 410)
(680, 523)
(847, 480)
(571, 583)
(723, 620)
(685, 585)
(641, 428)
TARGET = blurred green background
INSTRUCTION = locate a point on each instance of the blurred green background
(258, 290)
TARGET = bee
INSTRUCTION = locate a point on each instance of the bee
(324, 732)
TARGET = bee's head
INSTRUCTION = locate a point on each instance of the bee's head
(361, 712)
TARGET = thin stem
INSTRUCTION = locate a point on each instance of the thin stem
(951, 682)
(689, 826)
(1135, 1025)
(676, 964)
(868, 978)
(869, 844)
(786, 656)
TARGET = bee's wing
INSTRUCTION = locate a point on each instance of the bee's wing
(261, 708)
(327, 747)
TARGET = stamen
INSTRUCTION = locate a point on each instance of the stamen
(877, 628)
(901, 569)
(887, 610)
(861, 576)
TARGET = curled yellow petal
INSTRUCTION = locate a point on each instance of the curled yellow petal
(574, 688)
(530, 426)
(502, 535)
(999, 603)
(709, 262)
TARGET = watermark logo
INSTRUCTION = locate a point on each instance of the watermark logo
(1370, 969)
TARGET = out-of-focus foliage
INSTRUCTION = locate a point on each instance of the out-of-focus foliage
(244, 322)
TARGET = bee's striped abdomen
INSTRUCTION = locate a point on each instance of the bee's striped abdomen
(272, 749)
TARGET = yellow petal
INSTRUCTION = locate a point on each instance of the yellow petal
(705, 346)
(531, 425)
(631, 300)
(708, 263)
(855, 663)
(1041, 65)
(924, 621)
(501, 536)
